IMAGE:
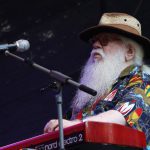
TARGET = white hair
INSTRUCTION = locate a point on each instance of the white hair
(139, 53)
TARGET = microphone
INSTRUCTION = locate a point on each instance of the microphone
(19, 46)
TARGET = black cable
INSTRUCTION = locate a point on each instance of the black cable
(137, 8)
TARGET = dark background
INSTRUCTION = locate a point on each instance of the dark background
(52, 28)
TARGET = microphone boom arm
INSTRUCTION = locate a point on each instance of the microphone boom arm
(62, 78)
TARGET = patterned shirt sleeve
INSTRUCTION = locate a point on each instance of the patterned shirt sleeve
(131, 106)
(134, 105)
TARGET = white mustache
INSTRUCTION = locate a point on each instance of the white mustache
(98, 51)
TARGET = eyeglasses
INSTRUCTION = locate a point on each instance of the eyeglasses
(105, 38)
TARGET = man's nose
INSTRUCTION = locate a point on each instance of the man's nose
(96, 45)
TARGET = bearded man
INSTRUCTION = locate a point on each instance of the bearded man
(117, 72)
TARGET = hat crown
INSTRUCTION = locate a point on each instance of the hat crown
(121, 19)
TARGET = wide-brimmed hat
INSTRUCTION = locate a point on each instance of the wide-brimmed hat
(119, 23)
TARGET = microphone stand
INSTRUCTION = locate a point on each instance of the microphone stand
(61, 80)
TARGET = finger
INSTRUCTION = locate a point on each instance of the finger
(51, 125)
(46, 128)
(57, 128)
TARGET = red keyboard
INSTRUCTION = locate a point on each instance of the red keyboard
(88, 135)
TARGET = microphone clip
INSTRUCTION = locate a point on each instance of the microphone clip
(29, 61)
(53, 85)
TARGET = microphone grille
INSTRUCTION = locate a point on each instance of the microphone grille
(22, 45)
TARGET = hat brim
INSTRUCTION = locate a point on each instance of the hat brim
(87, 34)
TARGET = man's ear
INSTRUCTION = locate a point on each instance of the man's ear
(130, 53)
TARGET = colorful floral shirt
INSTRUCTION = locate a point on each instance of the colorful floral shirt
(130, 95)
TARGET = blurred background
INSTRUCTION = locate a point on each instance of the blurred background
(52, 28)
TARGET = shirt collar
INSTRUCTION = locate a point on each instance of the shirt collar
(128, 70)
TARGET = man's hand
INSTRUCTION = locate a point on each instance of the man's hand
(111, 116)
(53, 125)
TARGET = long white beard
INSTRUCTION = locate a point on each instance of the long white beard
(99, 75)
